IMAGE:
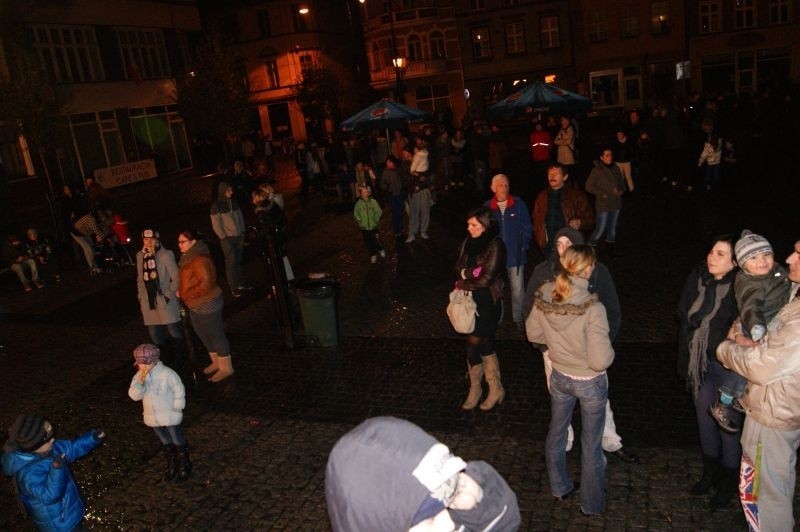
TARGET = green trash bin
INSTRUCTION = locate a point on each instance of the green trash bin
(317, 299)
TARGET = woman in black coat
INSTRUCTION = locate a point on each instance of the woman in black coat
(706, 312)
(481, 269)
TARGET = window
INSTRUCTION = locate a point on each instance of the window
(11, 152)
(306, 63)
(264, 28)
(375, 57)
(659, 17)
(779, 12)
(605, 88)
(273, 80)
(68, 53)
(97, 140)
(437, 45)
(548, 29)
(433, 97)
(515, 38)
(481, 44)
(414, 48)
(598, 25)
(144, 55)
(745, 14)
(160, 130)
(477, 5)
(628, 21)
(709, 17)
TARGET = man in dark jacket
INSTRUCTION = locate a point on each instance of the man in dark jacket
(559, 205)
(515, 229)
(600, 283)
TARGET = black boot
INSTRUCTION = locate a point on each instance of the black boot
(184, 464)
(710, 477)
(172, 462)
(727, 488)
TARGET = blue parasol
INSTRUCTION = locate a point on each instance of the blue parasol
(540, 97)
(384, 114)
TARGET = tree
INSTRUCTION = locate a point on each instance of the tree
(214, 96)
(319, 95)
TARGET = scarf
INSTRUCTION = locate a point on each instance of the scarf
(475, 246)
(150, 276)
(700, 314)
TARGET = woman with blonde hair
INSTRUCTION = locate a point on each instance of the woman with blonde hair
(572, 323)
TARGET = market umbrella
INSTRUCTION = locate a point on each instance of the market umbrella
(540, 97)
(384, 114)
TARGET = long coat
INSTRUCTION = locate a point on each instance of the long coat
(167, 306)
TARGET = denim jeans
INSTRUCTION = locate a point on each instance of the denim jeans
(88, 249)
(232, 248)
(516, 282)
(592, 395)
(606, 223)
(160, 333)
(19, 269)
(172, 434)
(397, 205)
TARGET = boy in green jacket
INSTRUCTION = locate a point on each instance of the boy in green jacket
(367, 213)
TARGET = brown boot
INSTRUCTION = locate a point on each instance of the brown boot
(225, 369)
(496, 391)
(475, 390)
(214, 364)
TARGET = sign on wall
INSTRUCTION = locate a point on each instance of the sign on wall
(125, 174)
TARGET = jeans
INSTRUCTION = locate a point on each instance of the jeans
(371, 241)
(715, 442)
(232, 247)
(606, 223)
(19, 269)
(516, 281)
(419, 215)
(712, 174)
(159, 333)
(398, 207)
(592, 395)
(172, 434)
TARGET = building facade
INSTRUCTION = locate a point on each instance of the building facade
(743, 46)
(414, 54)
(282, 40)
(116, 64)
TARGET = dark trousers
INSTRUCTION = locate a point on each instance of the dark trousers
(371, 241)
(398, 206)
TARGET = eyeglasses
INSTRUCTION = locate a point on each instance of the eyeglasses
(182, 241)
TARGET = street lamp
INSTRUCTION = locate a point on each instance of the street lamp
(398, 62)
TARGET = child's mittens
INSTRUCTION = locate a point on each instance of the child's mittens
(757, 332)
(477, 271)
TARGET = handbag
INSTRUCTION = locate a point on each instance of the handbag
(462, 311)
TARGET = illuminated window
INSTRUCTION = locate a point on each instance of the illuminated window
(548, 30)
(710, 21)
(144, 55)
(481, 44)
(779, 12)
(598, 25)
(515, 38)
(659, 17)
(68, 53)
(628, 21)
(745, 13)
(273, 80)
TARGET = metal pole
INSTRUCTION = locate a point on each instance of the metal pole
(399, 92)
(280, 287)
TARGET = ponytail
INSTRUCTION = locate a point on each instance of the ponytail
(575, 260)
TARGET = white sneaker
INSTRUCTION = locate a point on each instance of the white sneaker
(383, 253)
(410, 239)
(373, 259)
(424, 235)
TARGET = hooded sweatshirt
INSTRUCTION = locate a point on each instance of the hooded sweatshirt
(226, 216)
(575, 330)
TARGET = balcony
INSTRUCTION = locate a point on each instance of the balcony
(415, 69)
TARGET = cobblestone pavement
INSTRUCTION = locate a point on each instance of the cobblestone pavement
(260, 440)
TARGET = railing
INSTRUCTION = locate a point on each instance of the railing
(414, 69)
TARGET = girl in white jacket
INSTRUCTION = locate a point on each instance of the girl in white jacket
(163, 399)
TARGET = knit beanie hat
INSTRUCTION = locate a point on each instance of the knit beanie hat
(146, 354)
(28, 432)
(575, 236)
(150, 233)
(749, 245)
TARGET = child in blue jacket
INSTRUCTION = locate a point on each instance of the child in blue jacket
(39, 464)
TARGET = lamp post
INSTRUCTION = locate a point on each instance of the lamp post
(398, 62)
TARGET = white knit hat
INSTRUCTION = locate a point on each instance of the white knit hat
(749, 245)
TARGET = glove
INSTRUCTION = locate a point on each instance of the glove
(59, 461)
(99, 435)
(477, 272)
